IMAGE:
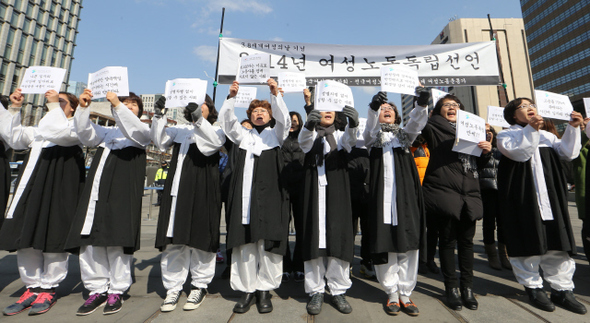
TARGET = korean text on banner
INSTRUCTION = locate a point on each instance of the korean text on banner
(496, 117)
(180, 92)
(254, 69)
(109, 79)
(40, 79)
(332, 96)
(399, 80)
(553, 105)
(292, 82)
(459, 64)
(245, 95)
(437, 95)
(471, 129)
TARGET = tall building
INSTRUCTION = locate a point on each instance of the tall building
(76, 88)
(558, 32)
(149, 100)
(512, 48)
(36, 33)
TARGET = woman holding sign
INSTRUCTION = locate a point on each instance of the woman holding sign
(45, 199)
(534, 212)
(106, 226)
(328, 244)
(188, 224)
(257, 206)
(396, 208)
(452, 199)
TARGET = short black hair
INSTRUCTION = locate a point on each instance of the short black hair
(439, 104)
(133, 97)
(511, 108)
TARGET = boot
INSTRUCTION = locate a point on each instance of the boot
(453, 298)
(493, 259)
(504, 260)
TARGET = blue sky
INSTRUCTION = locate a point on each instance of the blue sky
(159, 40)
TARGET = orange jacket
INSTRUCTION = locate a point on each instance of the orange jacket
(421, 157)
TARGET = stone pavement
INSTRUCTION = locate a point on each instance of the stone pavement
(500, 298)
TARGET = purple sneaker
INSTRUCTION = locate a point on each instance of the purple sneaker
(114, 304)
(93, 302)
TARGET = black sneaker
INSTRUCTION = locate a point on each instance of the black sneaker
(93, 302)
(43, 303)
(314, 306)
(195, 298)
(114, 304)
(23, 303)
(341, 304)
(170, 302)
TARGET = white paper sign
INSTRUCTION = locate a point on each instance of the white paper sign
(254, 69)
(496, 117)
(332, 96)
(40, 79)
(109, 79)
(180, 92)
(245, 96)
(399, 80)
(553, 105)
(291, 82)
(587, 107)
(437, 95)
(471, 129)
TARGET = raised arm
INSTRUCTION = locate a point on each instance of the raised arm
(55, 126)
(569, 146)
(19, 136)
(227, 118)
(129, 123)
(518, 144)
(209, 138)
(90, 134)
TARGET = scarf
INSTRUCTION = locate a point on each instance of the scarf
(468, 161)
(398, 132)
(317, 150)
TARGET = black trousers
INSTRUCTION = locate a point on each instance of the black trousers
(359, 211)
(293, 262)
(491, 219)
(585, 237)
(456, 233)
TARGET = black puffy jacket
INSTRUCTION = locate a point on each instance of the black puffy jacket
(488, 174)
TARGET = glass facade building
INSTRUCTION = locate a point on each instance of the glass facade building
(558, 33)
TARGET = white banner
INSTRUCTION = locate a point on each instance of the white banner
(180, 92)
(496, 117)
(291, 82)
(461, 64)
(245, 95)
(553, 105)
(332, 96)
(109, 79)
(437, 95)
(40, 79)
(587, 107)
(399, 80)
(254, 69)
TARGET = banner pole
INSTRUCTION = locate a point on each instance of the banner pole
(218, 47)
(502, 93)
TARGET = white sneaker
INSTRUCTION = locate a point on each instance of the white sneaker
(195, 298)
(170, 302)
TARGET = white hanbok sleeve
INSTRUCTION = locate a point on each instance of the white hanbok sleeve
(19, 136)
(372, 127)
(306, 139)
(281, 115)
(5, 118)
(417, 122)
(162, 136)
(90, 134)
(518, 144)
(570, 144)
(229, 122)
(56, 128)
(131, 126)
(209, 138)
(348, 139)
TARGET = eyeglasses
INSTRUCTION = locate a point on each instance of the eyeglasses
(448, 105)
(259, 111)
(526, 106)
(386, 108)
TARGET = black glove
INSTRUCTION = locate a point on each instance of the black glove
(423, 95)
(378, 100)
(352, 115)
(313, 118)
(160, 107)
(195, 109)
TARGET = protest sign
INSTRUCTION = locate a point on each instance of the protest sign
(553, 105)
(496, 117)
(587, 107)
(471, 129)
(332, 96)
(245, 95)
(399, 80)
(437, 95)
(254, 69)
(458, 64)
(40, 79)
(180, 92)
(109, 79)
(292, 82)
